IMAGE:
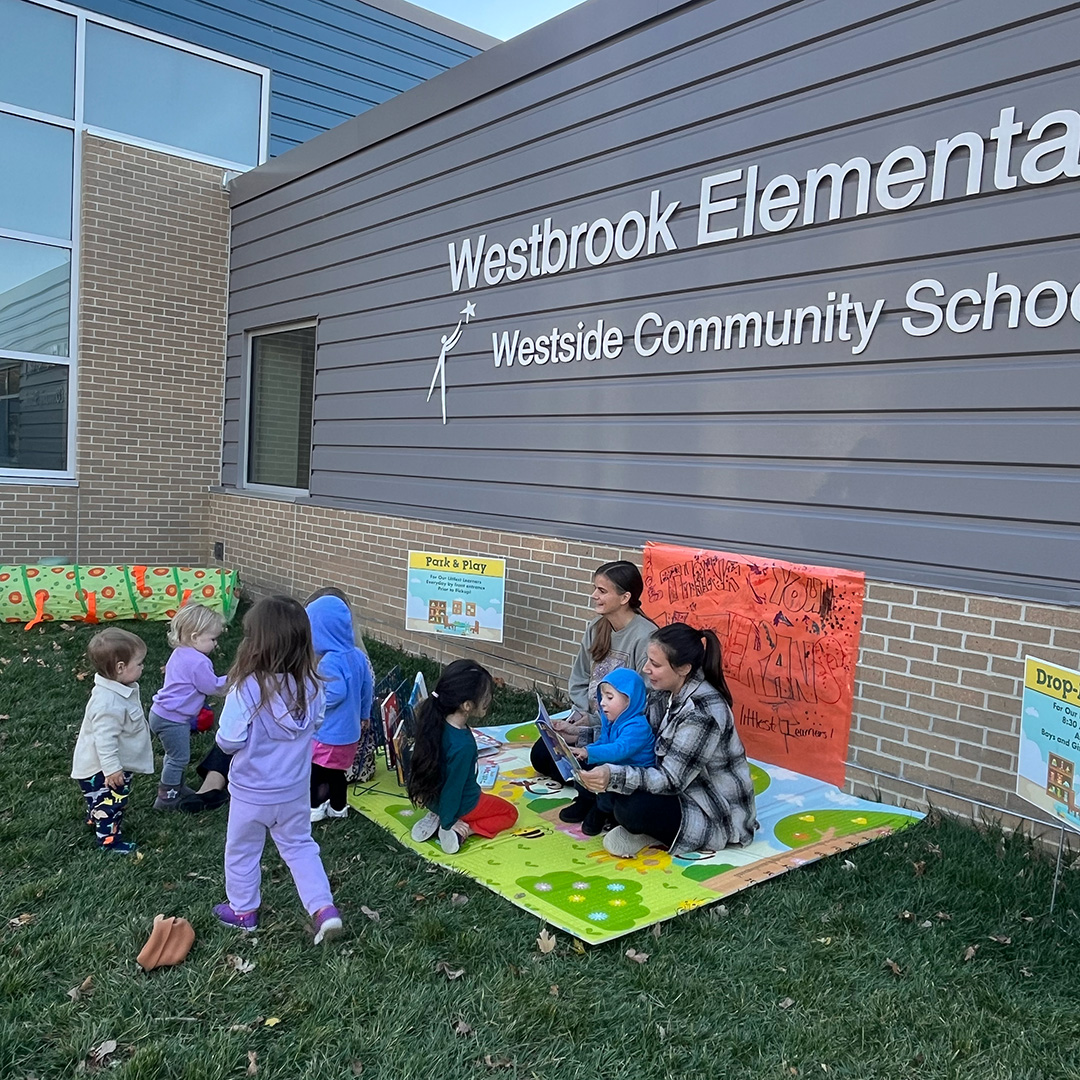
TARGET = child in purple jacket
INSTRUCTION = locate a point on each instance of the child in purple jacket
(189, 677)
(271, 713)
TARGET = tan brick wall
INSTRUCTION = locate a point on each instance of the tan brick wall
(152, 298)
(938, 684)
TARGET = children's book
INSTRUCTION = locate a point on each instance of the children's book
(419, 691)
(487, 772)
(391, 718)
(485, 743)
(403, 745)
(565, 761)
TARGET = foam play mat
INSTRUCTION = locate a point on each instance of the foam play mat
(550, 869)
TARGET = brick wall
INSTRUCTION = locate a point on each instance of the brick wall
(152, 297)
(938, 684)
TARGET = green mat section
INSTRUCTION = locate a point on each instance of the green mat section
(569, 881)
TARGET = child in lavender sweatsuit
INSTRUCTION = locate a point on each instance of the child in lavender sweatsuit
(271, 713)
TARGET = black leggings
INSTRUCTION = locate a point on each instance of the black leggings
(328, 784)
(658, 816)
(543, 762)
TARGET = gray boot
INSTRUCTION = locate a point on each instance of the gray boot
(168, 798)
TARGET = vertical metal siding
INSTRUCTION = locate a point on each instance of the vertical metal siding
(951, 460)
(330, 61)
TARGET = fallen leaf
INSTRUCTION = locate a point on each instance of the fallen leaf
(655, 931)
(943, 916)
(554, 990)
(374, 916)
(67, 626)
(4, 716)
(80, 675)
(847, 865)
(906, 916)
(1025, 972)
(100, 1053)
(919, 867)
(969, 952)
(245, 967)
(720, 911)
(25, 919)
(637, 957)
(894, 967)
(419, 897)
(1026, 918)
(450, 972)
(458, 900)
(462, 1028)
(933, 849)
(786, 1003)
(253, 1067)
(578, 946)
(661, 1031)
(357, 1067)
(1001, 939)
(84, 987)
(824, 940)
(545, 942)
(272, 1021)
(925, 924)
(499, 1062)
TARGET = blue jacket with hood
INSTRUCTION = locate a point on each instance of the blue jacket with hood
(630, 739)
(344, 669)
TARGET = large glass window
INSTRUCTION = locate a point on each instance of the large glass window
(282, 384)
(164, 95)
(33, 415)
(35, 184)
(35, 297)
(37, 58)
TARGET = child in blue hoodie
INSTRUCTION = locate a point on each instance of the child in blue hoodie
(347, 686)
(626, 738)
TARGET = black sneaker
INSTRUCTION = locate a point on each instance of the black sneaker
(197, 802)
(596, 821)
(577, 811)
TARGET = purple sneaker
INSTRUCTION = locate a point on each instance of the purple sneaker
(327, 924)
(243, 920)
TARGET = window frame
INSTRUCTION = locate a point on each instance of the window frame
(243, 456)
(76, 124)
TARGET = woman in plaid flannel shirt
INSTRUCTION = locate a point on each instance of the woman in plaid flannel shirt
(699, 795)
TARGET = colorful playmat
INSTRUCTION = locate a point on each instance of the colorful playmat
(549, 868)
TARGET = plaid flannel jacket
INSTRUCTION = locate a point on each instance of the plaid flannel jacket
(700, 758)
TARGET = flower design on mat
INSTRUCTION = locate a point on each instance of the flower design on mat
(616, 886)
(581, 886)
(543, 886)
(598, 916)
(576, 898)
(617, 902)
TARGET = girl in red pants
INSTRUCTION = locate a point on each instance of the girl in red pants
(442, 776)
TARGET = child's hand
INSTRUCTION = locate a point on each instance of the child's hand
(580, 752)
(115, 780)
(462, 828)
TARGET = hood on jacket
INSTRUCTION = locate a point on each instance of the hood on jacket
(629, 683)
(331, 625)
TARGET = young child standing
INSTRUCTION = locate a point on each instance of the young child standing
(114, 739)
(347, 686)
(272, 710)
(626, 738)
(189, 677)
(442, 775)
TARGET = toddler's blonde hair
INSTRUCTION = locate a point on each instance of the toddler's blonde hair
(193, 619)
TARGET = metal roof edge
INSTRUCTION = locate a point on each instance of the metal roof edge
(431, 20)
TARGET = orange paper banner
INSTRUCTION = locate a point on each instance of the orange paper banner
(790, 641)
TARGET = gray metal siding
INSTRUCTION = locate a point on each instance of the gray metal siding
(949, 460)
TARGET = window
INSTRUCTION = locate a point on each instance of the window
(281, 395)
(35, 298)
(35, 188)
(33, 415)
(37, 58)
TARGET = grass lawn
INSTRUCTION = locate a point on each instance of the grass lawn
(792, 981)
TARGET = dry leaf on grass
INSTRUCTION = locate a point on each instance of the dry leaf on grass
(1001, 939)
(545, 942)
(253, 1063)
(637, 957)
(272, 1021)
(823, 940)
(926, 924)
(237, 963)
(458, 900)
(969, 952)
(357, 1067)
(462, 1028)
(25, 919)
(498, 1062)
(894, 967)
(906, 916)
(451, 973)
(1025, 917)
(100, 1053)
(655, 930)
(578, 946)
(1026, 972)
(919, 867)
(943, 916)
(373, 915)
(84, 987)
(786, 1003)
(847, 865)
(554, 990)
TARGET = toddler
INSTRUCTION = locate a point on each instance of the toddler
(272, 710)
(626, 738)
(347, 686)
(114, 740)
(189, 677)
(442, 773)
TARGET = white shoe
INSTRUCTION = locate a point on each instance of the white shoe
(624, 844)
(449, 841)
(319, 813)
(425, 828)
(332, 813)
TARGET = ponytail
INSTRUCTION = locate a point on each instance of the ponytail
(626, 577)
(461, 681)
(683, 645)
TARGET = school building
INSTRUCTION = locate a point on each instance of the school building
(797, 281)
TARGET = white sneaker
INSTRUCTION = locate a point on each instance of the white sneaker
(425, 828)
(332, 813)
(319, 813)
(624, 844)
(449, 841)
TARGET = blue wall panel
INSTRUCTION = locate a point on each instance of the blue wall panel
(330, 60)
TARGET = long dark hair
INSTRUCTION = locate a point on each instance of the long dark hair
(683, 644)
(277, 642)
(626, 577)
(461, 681)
